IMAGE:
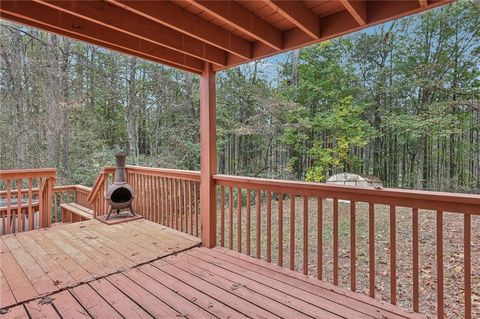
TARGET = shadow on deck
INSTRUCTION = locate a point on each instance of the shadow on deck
(142, 270)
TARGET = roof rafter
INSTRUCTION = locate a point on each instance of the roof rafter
(358, 10)
(234, 14)
(298, 14)
(119, 19)
(65, 24)
(177, 18)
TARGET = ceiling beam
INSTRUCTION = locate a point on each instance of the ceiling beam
(116, 18)
(51, 20)
(298, 14)
(181, 20)
(358, 10)
(233, 14)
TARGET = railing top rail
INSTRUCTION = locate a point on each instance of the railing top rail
(63, 188)
(81, 188)
(165, 172)
(28, 173)
(454, 202)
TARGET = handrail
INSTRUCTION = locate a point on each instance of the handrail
(28, 173)
(77, 187)
(21, 209)
(165, 172)
(99, 182)
(455, 202)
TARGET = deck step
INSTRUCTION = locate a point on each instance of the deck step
(73, 212)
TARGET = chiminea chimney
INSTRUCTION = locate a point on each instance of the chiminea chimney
(119, 194)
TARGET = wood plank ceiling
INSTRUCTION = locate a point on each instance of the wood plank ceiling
(187, 33)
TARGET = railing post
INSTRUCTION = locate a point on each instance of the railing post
(208, 155)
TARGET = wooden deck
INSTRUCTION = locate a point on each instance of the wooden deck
(40, 262)
(195, 283)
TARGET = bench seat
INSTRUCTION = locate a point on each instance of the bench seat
(73, 212)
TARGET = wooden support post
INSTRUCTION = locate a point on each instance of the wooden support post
(208, 155)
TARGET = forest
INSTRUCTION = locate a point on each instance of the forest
(400, 101)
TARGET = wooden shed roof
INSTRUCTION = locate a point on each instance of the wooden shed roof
(187, 33)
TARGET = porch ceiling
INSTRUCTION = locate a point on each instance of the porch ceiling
(187, 33)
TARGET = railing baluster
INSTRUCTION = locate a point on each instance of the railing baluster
(259, 223)
(335, 241)
(40, 203)
(467, 224)
(150, 200)
(55, 205)
(154, 199)
(195, 195)
(158, 200)
(280, 229)
(319, 238)
(175, 203)
(305, 235)
(190, 206)
(31, 222)
(440, 298)
(161, 200)
(8, 229)
(14, 212)
(185, 213)
(292, 231)
(146, 189)
(269, 226)
(230, 226)
(393, 255)
(371, 244)
(171, 211)
(248, 230)
(180, 204)
(172, 203)
(138, 188)
(222, 216)
(353, 247)
(239, 220)
(183, 209)
(19, 205)
(416, 306)
(166, 196)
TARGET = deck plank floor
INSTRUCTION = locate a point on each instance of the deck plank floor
(41, 262)
(192, 283)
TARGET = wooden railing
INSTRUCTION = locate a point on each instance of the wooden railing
(376, 241)
(25, 199)
(96, 198)
(165, 196)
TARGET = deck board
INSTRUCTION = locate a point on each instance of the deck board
(37, 309)
(41, 262)
(194, 282)
(119, 300)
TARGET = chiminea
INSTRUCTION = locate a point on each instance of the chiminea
(120, 195)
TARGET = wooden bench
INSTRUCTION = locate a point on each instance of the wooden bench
(73, 212)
